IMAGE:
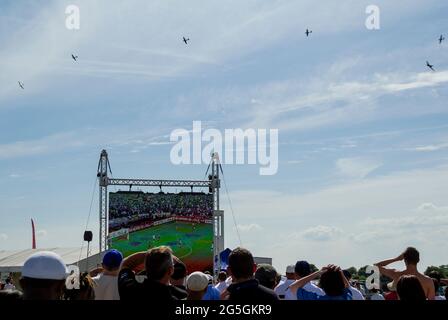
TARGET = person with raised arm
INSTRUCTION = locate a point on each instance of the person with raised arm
(332, 282)
(411, 258)
(158, 264)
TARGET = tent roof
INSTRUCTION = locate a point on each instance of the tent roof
(12, 261)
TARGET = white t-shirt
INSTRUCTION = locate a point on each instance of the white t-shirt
(282, 287)
(106, 287)
(439, 298)
(310, 287)
(221, 286)
(356, 294)
(376, 296)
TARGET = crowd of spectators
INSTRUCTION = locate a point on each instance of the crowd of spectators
(158, 275)
(127, 208)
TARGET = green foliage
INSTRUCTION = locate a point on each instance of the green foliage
(362, 275)
(313, 268)
(441, 270)
(353, 272)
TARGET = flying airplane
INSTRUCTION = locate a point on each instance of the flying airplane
(430, 66)
(21, 85)
(441, 39)
(308, 32)
(75, 57)
(186, 40)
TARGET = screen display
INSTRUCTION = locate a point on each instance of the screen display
(139, 221)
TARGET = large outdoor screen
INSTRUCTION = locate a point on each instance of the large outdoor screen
(183, 221)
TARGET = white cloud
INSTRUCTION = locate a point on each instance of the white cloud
(429, 206)
(357, 168)
(431, 147)
(249, 227)
(39, 146)
(81, 139)
(41, 233)
(234, 29)
(378, 217)
(322, 233)
(3, 236)
(294, 161)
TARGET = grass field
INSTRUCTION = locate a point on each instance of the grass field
(195, 249)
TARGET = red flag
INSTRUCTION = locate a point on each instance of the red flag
(34, 234)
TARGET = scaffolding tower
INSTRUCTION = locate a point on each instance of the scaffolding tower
(213, 185)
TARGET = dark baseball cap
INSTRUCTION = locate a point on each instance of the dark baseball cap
(112, 259)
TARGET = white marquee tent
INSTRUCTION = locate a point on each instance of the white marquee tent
(12, 261)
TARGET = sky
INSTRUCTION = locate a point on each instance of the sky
(362, 122)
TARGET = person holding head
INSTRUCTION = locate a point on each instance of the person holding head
(158, 265)
(197, 284)
(303, 269)
(244, 287)
(409, 289)
(222, 284)
(43, 276)
(283, 286)
(332, 281)
(106, 282)
(411, 258)
(356, 294)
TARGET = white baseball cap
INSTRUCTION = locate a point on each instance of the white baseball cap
(290, 268)
(44, 265)
(197, 281)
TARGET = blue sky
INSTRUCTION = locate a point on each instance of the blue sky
(362, 122)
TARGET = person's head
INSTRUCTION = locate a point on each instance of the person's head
(290, 272)
(159, 264)
(197, 284)
(222, 276)
(179, 274)
(410, 289)
(302, 269)
(43, 276)
(266, 276)
(112, 261)
(86, 289)
(411, 256)
(241, 264)
(332, 283)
